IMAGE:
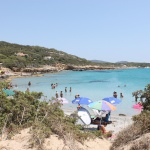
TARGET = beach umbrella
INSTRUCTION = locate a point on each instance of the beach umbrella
(82, 101)
(62, 100)
(102, 105)
(8, 92)
(112, 100)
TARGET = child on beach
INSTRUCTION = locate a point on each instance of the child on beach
(121, 95)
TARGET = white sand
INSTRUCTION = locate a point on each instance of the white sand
(119, 123)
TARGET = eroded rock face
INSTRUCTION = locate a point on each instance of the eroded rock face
(58, 67)
(87, 67)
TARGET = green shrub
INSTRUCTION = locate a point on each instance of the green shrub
(26, 109)
(140, 126)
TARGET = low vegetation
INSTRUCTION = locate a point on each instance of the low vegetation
(140, 129)
(28, 110)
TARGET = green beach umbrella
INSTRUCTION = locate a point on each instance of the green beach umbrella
(8, 92)
(102, 105)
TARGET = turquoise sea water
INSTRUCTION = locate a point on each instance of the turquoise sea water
(95, 85)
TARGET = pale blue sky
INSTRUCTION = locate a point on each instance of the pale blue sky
(108, 30)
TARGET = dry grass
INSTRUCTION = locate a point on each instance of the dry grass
(132, 133)
(142, 143)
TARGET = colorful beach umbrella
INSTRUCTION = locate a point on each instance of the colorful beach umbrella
(82, 101)
(8, 92)
(102, 105)
(112, 100)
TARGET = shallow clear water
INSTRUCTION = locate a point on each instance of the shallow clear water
(95, 85)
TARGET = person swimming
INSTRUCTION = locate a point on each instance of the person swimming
(115, 94)
(29, 84)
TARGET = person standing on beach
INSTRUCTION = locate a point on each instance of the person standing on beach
(61, 94)
(56, 94)
(70, 89)
(65, 89)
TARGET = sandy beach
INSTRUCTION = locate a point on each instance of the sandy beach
(118, 123)
(21, 140)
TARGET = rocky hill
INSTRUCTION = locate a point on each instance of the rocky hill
(30, 58)
(25, 56)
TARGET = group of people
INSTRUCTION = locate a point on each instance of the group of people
(57, 95)
(106, 119)
(115, 94)
(53, 86)
(69, 89)
(61, 92)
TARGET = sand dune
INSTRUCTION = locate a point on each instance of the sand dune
(21, 141)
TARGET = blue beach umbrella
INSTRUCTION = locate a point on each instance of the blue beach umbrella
(82, 100)
(112, 100)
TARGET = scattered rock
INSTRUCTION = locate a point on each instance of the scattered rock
(122, 115)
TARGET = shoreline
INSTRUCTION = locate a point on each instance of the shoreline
(12, 74)
(11, 77)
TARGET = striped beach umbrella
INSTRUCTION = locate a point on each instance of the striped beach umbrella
(102, 105)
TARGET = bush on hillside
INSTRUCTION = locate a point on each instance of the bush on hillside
(35, 56)
(140, 126)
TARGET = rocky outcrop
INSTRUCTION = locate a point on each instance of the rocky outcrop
(60, 67)
(57, 68)
(87, 67)
(42, 70)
